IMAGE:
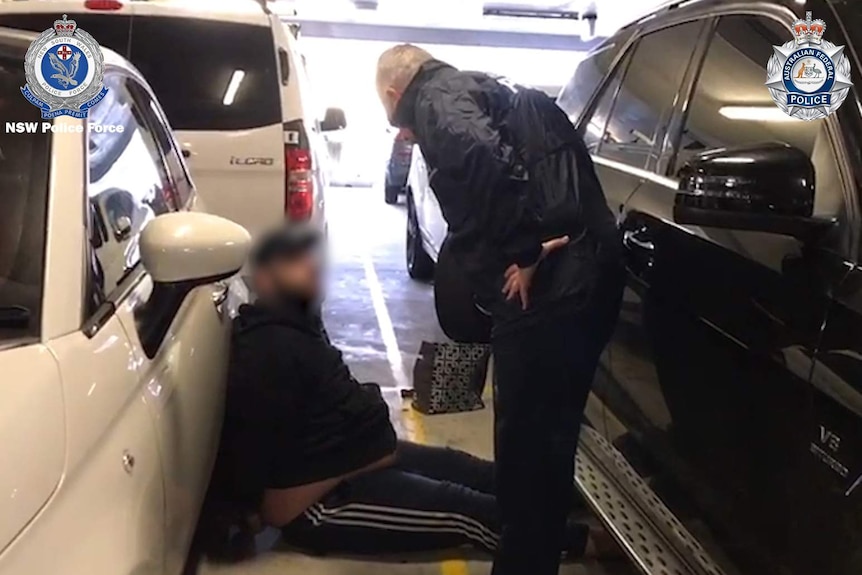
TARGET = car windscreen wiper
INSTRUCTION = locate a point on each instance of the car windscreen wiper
(14, 317)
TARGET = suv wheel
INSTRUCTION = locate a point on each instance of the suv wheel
(457, 313)
(391, 194)
(420, 266)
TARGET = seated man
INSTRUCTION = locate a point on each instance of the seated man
(313, 450)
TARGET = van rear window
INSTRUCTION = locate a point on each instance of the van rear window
(207, 75)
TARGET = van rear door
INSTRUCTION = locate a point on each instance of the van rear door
(110, 29)
(219, 84)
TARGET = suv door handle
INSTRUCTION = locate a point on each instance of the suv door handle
(635, 240)
(640, 251)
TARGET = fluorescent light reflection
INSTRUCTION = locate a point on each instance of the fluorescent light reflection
(232, 87)
(733, 160)
(756, 114)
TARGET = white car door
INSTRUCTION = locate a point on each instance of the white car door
(109, 508)
(31, 397)
(180, 342)
(428, 212)
(105, 511)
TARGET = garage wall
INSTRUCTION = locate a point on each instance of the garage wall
(343, 70)
(342, 74)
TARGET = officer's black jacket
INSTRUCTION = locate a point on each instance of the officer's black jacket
(510, 171)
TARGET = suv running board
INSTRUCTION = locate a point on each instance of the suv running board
(648, 531)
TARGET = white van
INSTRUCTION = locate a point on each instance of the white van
(234, 86)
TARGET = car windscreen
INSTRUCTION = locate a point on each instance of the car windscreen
(208, 75)
(24, 166)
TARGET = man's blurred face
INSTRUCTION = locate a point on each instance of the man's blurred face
(300, 276)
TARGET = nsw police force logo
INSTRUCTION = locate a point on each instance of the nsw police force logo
(65, 69)
(808, 77)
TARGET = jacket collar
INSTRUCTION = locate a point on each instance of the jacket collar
(286, 310)
(405, 111)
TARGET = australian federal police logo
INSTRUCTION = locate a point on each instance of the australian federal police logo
(65, 69)
(808, 77)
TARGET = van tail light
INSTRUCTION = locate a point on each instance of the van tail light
(103, 5)
(299, 184)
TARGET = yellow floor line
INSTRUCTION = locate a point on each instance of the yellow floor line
(413, 424)
(454, 567)
(415, 429)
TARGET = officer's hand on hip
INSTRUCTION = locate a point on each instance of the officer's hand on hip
(518, 279)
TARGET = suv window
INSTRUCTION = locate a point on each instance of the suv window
(594, 127)
(128, 185)
(24, 166)
(648, 93)
(587, 78)
(731, 106)
(192, 77)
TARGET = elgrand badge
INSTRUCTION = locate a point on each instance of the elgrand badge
(808, 77)
(65, 69)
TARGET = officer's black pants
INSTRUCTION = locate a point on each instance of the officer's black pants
(543, 374)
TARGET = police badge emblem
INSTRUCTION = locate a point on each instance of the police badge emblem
(808, 77)
(65, 69)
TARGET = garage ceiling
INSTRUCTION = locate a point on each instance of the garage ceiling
(551, 24)
(548, 24)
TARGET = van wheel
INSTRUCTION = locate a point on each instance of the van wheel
(420, 266)
(457, 313)
(391, 194)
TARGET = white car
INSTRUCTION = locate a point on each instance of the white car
(427, 258)
(116, 293)
(234, 86)
(426, 228)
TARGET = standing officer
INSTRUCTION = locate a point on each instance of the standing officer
(529, 226)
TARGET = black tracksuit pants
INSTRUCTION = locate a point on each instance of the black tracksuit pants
(543, 374)
(431, 499)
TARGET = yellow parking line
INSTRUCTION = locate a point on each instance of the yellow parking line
(415, 429)
(413, 424)
(454, 567)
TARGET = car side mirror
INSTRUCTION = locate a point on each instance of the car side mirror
(767, 187)
(333, 120)
(182, 251)
(193, 248)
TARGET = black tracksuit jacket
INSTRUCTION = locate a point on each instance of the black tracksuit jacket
(294, 413)
(510, 171)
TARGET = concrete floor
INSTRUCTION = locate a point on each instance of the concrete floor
(379, 317)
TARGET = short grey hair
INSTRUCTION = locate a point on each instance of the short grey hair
(397, 66)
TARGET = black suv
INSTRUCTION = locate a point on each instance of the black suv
(726, 426)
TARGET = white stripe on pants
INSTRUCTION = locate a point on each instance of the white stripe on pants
(399, 519)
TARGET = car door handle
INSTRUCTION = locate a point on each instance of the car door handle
(635, 241)
(122, 228)
(640, 251)
(220, 295)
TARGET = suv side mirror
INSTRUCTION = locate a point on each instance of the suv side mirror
(333, 120)
(767, 187)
